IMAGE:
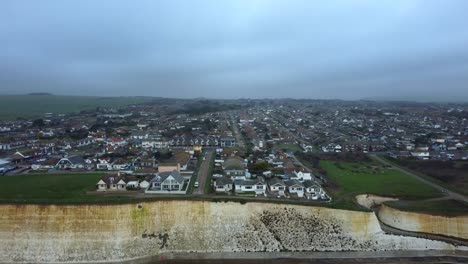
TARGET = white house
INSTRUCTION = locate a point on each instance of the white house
(257, 186)
(112, 182)
(302, 176)
(276, 185)
(119, 164)
(223, 184)
(144, 184)
(75, 162)
(312, 190)
(296, 187)
(103, 164)
(166, 182)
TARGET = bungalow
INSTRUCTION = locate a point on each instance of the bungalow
(233, 167)
(144, 184)
(103, 164)
(257, 185)
(168, 181)
(277, 185)
(112, 182)
(119, 164)
(223, 184)
(144, 162)
(132, 182)
(294, 186)
(312, 190)
(75, 162)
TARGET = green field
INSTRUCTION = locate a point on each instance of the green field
(443, 207)
(51, 188)
(453, 175)
(32, 106)
(347, 179)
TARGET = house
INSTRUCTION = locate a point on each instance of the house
(112, 183)
(75, 162)
(119, 164)
(302, 176)
(103, 164)
(168, 181)
(223, 184)
(144, 184)
(116, 142)
(227, 142)
(312, 190)
(277, 185)
(295, 187)
(233, 167)
(45, 164)
(144, 162)
(256, 185)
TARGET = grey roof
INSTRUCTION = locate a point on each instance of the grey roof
(294, 182)
(113, 179)
(76, 160)
(309, 183)
(233, 164)
(223, 181)
(248, 182)
(276, 181)
(162, 176)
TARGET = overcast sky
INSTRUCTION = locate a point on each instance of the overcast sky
(342, 49)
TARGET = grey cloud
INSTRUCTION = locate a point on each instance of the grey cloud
(231, 49)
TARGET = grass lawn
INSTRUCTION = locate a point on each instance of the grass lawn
(14, 106)
(290, 147)
(347, 179)
(442, 207)
(53, 188)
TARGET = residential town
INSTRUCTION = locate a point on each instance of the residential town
(249, 148)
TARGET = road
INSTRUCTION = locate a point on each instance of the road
(450, 194)
(203, 172)
(237, 134)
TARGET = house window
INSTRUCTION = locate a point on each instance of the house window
(113, 185)
(165, 186)
(299, 189)
(281, 188)
(248, 187)
(220, 187)
(259, 187)
(176, 187)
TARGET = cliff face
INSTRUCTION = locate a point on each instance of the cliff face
(95, 233)
(418, 222)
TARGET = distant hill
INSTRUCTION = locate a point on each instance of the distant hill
(39, 94)
(35, 105)
(419, 99)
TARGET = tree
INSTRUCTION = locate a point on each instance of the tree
(259, 167)
(38, 123)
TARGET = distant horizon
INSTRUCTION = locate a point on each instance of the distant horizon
(374, 99)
